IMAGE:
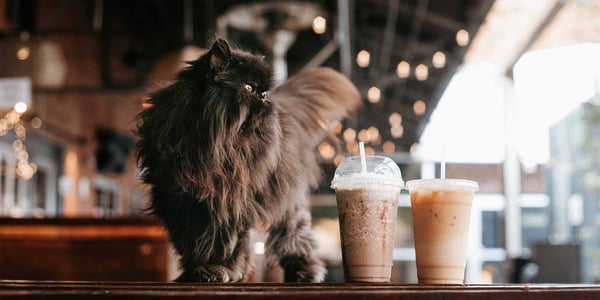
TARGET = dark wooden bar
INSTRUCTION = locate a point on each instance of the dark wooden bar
(147, 290)
(111, 249)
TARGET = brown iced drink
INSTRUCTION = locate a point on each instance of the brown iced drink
(367, 196)
(441, 211)
(367, 220)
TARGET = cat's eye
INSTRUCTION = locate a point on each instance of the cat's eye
(249, 88)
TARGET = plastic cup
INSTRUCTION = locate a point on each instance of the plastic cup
(367, 205)
(441, 210)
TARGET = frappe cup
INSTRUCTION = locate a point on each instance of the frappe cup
(441, 210)
(367, 204)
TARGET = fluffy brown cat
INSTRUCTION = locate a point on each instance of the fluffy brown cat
(224, 155)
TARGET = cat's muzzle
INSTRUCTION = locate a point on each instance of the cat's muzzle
(264, 98)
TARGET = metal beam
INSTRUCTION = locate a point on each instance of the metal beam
(323, 54)
(343, 7)
(388, 36)
(188, 21)
(415, 31)
(432, 18)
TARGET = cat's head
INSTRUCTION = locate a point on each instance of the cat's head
(234, 84)
(246, 76)
(239, 70)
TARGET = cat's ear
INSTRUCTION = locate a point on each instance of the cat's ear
(220, 53)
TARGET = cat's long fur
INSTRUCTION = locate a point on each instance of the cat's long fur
(222, 156)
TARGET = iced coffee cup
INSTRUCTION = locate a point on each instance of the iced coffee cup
(367, 198)
(441, 210)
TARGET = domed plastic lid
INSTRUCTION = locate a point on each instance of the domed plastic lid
(441, 184)
(380, 170)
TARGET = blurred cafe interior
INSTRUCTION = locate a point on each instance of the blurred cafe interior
(505, 92)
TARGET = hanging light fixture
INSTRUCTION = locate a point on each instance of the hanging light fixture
(439, 59)
(403, 69)
(421, 72)
(395, 119)
(462, 37)
(389, 147)
(374, 94)
(349, 135)
(363, 58)
(419, 107)
(326, 150)
(319, 25)
(397, 131)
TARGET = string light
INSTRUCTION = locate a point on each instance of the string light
(403, 69)
(20, 107)
(349, 135)
(319, 25)
(439, 60)
(372, 133)
(353, 147)
(24, 36)
(336, 127)
(421, 72)
(462, 38)
(36, 123)
(363, 58)
(12, 121)
(389, 147)
(363, 136)
(395, 119)
(397, 131)
(376, 141)
(419, 107)
(23, 53)
(326, 150)
(374, 94)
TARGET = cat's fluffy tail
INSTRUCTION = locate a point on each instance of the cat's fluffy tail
(315, 97)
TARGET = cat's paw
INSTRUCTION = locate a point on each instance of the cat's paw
(218, 273)
(302, 269)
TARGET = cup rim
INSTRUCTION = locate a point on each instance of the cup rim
(353, 180)
(443, 183)
(367, 157)
(366, 181)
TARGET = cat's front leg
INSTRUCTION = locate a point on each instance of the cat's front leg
(216, 261)
(292, 243)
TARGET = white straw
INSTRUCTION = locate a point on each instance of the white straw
(443, 164)
(363, 159)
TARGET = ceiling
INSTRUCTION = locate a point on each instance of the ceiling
(143, 31)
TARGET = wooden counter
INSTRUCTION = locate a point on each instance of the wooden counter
(115, 249)
(141, 290)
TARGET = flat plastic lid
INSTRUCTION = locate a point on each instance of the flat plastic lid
(379, 170)
(438, 183)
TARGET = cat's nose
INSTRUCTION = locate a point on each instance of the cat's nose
(264, 97)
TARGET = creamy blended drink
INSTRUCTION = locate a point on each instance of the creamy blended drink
(441, 210)
(367, 205)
